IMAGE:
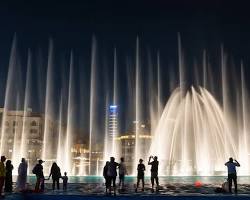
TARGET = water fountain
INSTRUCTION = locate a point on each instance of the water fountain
(195, 125)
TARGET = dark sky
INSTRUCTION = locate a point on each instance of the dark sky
(34, 22)
(202, 25)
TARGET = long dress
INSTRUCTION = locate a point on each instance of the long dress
(8, 178)
(22, 176)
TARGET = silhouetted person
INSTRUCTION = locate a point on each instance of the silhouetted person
(105, 175)
(2, 174)
(112, 173)
(122, 173)
(65, 181)
(56, 175)
(232, 174)
(140, 174)
(22, 175)
(8, 176)
(38, 171)
(154, 171)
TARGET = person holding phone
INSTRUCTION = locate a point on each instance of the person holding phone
(232, 174)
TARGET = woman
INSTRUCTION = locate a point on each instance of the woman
(8, 176)
(22, 175)
(56, 175)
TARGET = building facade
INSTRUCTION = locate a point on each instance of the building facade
(22, 135)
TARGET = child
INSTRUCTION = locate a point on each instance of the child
(140, 175)
(65, 181)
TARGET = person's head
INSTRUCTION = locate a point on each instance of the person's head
(23, 160)
(155, 158)
(140, 161)
(65, 173)
(40, 161)
(3, 158)
(107, 163)
(8, 162)
(54, 164)
(112, 159)
(122, 159)
(231, 159)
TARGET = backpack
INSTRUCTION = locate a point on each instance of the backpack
(35, 170)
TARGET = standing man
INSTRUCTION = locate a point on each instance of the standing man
(232, 175)
(2, 174)
(112, 173)
(105, 175)
(154, 172)
(38, 171)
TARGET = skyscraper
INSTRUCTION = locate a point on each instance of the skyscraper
(113, 115)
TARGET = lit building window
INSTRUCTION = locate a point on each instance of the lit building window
(33, 123)
(33, 130)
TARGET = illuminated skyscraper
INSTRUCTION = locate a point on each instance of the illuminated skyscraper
(113, 115)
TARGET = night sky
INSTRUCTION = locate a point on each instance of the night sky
(71, 26)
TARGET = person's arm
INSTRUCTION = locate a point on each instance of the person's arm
(104, 172)
(237, 163)
(50, 173)
(226, 163)
(19, 170)
(149, 163)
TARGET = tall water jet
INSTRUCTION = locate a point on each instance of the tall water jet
(180, 65)
(106, 138)
(159, 87)
(225, 97)
(16, 151)
(204, 65)
(152, 98)
(60, 154)
(70, 118)
(20, 139)
(182, 90)
(12, 95)
(26, 122)
(137, 105)
(92, 98)
(49, 109)
(244, 140)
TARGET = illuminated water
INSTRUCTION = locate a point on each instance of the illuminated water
(194, 129)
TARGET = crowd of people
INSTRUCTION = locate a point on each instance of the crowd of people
(111, 167)
(109, 174)
(6, 176)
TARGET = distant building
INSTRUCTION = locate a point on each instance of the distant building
(113, 114)
(25, 128)
(112, 130)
